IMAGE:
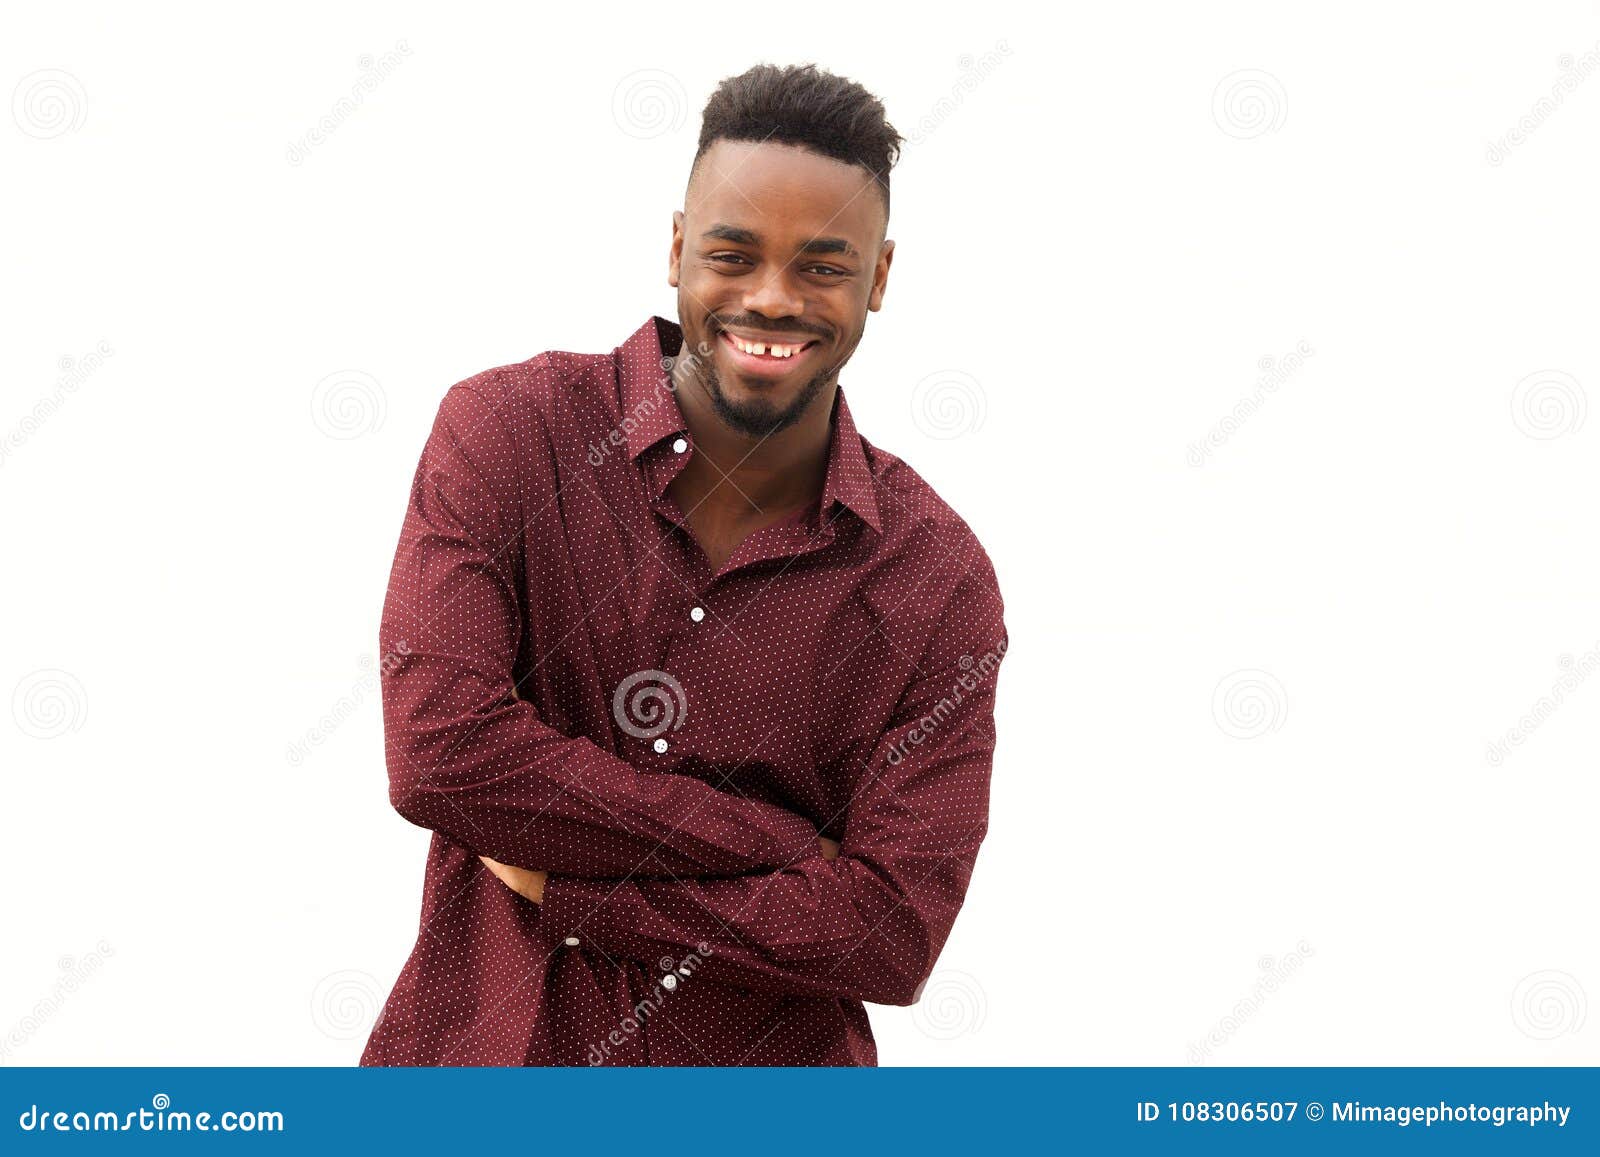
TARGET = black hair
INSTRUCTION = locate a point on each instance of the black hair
(802, 104)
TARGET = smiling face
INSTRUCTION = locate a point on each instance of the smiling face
(777, 256)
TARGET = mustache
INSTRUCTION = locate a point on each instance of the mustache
(763, 327)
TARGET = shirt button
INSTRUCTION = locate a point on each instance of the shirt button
(660, 745)
(573, 941)
(679, 445)
(697, 614)
(669, 982)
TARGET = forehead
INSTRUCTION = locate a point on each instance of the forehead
(784, 193)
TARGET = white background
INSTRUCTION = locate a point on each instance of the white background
(1248, 705)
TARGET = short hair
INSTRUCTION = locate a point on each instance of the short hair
(804, 105)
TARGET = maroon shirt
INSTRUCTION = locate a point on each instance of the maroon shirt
(568, 686)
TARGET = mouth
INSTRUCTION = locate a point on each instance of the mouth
(777, 359)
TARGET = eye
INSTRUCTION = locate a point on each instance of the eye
(728, 258)
(830, 271)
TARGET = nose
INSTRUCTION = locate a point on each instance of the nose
(775, 297)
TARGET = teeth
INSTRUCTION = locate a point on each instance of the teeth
(764, 348)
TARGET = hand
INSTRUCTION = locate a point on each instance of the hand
(830, 849)
(526, 882)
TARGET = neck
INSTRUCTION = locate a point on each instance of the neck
(748, 477)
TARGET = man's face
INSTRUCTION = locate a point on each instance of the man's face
(780, 246)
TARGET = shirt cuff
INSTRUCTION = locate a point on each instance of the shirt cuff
(595, 913)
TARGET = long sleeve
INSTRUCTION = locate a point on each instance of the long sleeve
(869, 924)
(466, 757)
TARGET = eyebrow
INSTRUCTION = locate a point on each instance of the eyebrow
(746, 237)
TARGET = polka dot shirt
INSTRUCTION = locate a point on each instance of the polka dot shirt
(569, 686)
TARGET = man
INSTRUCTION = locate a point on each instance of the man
(692, 683)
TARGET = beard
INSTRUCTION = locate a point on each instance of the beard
(758, 417)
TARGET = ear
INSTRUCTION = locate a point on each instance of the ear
(880, 276)
(675, 255)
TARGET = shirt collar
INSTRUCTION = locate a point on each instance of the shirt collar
(650, 413)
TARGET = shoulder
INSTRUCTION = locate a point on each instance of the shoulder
(549, 391)
(920, 525)
(532, 414)
(935, 580)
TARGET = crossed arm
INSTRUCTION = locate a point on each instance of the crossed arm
(529, 883)
(865, 918)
